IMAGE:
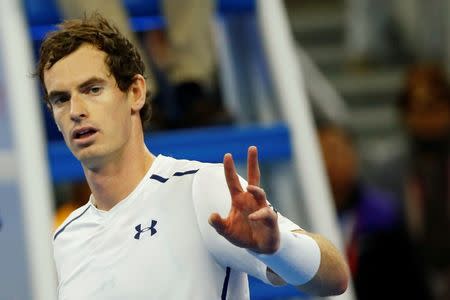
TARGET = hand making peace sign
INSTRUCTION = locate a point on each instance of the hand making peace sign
(251, 223)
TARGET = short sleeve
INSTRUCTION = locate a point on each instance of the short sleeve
(210, 194)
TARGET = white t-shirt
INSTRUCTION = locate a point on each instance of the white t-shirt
(157, 243)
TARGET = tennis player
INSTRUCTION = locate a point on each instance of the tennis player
(156, 227)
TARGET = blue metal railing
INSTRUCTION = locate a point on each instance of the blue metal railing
(206, 144)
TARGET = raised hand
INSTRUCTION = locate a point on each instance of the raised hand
(251, 223)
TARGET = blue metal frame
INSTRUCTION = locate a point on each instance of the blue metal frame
(205, 144)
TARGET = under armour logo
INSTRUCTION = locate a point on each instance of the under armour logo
(140, 230)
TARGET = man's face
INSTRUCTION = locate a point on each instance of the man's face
(92, 113)
(340, 160)
(428, 118)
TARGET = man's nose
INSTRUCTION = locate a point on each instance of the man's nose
(78, 109)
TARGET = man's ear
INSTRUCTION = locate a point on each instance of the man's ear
(137, 92)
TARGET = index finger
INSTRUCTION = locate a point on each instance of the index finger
(234, 185)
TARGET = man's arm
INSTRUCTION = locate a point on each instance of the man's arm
(303, 259)
(332, 276)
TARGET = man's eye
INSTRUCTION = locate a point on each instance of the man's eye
(59, 99)
(95, 90)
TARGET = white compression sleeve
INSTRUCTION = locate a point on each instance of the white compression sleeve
(296, 261)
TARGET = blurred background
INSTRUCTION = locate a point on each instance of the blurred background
(347, 100)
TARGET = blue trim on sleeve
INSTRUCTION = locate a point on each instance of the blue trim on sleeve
(225, 284)
(159, 178)
(185, 173)
(178, 174)
(68, 223)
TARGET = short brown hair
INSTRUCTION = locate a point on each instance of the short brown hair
(429, 79)
(122, 57)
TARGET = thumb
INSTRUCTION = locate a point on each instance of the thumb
(216, 221)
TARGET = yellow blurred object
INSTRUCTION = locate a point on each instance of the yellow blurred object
(80, 193)
(63, 212)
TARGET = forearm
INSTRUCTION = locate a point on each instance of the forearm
(331, 277)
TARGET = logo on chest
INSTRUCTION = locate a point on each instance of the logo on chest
(142, 231)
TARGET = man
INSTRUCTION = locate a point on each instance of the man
(144, 232)
(370, 220)
(420, 175)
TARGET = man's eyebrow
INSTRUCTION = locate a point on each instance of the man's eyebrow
(81, 86)
(91, 81)
(54, 94)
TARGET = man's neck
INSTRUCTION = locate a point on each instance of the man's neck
(115, 180)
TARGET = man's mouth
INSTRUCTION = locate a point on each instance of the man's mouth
(83, 133)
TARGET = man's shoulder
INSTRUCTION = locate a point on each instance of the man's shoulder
(168, 166)
(74, 215)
